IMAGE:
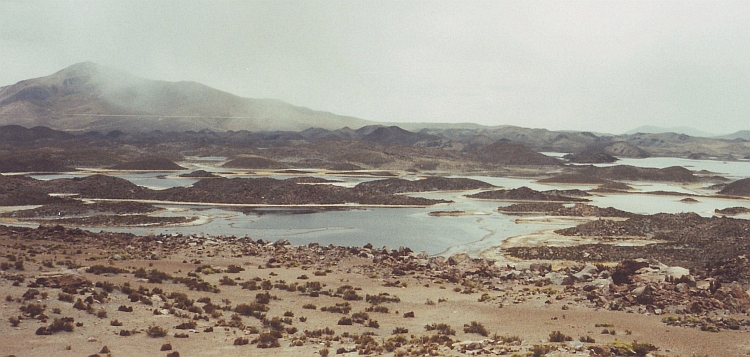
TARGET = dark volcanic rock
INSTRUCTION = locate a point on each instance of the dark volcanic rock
(588, 157)
(525, 194)
(200, 174)
(26, 164)
(576, 178)
(277, 192)
(97, 186)
(685, 239)
(603, 175)
(505, 153)
(395, 135)
(733, 210)
(397, 185)
(626, 269)
(606, 152)
(737, 188)
(254, 162)
(152, 164)
(558, 209)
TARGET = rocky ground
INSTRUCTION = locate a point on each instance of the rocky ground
(70, 292)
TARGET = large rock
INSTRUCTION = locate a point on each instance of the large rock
(587, 273)
(626, 269)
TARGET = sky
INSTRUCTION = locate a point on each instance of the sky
(604, 66)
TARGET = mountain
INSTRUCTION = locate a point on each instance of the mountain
(90, 97)
(742, 135)
(650, 129)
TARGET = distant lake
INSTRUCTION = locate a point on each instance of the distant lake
(413, 227)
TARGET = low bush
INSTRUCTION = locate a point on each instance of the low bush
(557, 336)
(156, 331)
(476, 327)
(105, 269)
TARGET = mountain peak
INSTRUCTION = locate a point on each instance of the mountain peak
(88, 96)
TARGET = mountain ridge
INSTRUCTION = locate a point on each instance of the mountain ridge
(88, 97)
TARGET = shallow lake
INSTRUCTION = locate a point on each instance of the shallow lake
(414, 227)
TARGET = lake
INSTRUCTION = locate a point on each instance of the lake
(414, 227)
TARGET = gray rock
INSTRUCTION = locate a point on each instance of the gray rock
(587, 273)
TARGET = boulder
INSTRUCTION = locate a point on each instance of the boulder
(679, 275)
(626, 269)
(587, 273)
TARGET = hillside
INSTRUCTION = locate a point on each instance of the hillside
(87, 96)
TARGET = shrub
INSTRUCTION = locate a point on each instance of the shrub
(115, 322)
(557, 336)
(442, 328)
(323, 352)
(181, 335)
(360, 317)
(320, 332)
(381, 298)
(241, 341)
(476, 327)
(267, 340)
(14, 321)
(30, 294)
(173, 354)
(62, 324)
(540, 350)
(227, 281)
(309, 306)
(124, 308)
(187, 325)
(166, 347)
(400, 330)
(156, 331)
(345, 321)
(234, 268)
(65, 297)
(381, 309)
(104, 269)
(33, 309)
(249, 309)
(642, 349)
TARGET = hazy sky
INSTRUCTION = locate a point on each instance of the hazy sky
(605, 66)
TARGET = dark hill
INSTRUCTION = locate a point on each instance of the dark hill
(505, 153)
(13, 133)
(151, 164)
(525, 194)
(397, 185)
(395, 135)
(606, 152)
(254, 163)
(737, 188)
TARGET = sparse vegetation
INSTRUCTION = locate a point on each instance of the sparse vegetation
(476, 327)
(156, 331)
(557, 336)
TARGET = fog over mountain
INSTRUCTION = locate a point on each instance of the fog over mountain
(90, 97)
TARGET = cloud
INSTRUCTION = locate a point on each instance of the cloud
(605, 66)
